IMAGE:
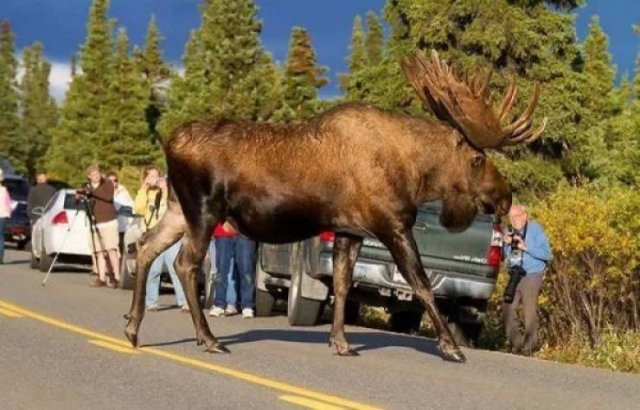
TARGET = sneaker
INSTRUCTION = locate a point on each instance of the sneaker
(216, 311)
(184, 308)
(153, 308)
(247, 313)
(231, 310)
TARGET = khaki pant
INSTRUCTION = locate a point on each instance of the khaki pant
(527, 294)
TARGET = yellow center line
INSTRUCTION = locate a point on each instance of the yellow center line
(310, 403)
(9, 313)
(238, 374)
(111, 346)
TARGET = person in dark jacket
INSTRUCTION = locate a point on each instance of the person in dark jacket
(104, 238)
(39, 195)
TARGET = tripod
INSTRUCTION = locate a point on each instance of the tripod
(92, 227)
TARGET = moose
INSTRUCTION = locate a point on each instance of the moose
(355, 169)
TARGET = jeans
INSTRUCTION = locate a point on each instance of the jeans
(3, 221)
(243, 250)
(232, 286)
(166, 258)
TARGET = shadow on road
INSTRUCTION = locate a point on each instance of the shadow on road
(361, 341)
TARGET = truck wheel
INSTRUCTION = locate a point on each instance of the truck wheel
(405, 321)
(45, 259)
(264, 302)
(352, 312)
(301, 311)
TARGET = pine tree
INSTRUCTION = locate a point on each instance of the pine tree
(599, 72)
(222, 60)
(303, 77)
(9, 123)
(188, 95)
(357, 60)
(269, 90)
(375, 39)
(76, 142)
(156, 72)
(230, 36)
(38, 109)
(123, 128)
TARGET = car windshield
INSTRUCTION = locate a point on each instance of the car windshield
(18, 189)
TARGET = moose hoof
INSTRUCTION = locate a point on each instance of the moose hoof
(132, 337)
(454, 355)
(342, 349)
(217, 348)
(348, 352)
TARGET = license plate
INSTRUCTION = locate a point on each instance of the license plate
(397, 276)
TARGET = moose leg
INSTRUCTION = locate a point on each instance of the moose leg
(345, 253)
(188, 264)
(405, 254)
(153, 243)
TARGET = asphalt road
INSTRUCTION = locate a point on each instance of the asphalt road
(62, 346)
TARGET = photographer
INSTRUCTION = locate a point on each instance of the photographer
(527, 249)
(104, 232)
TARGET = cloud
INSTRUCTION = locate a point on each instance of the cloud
(59, 79)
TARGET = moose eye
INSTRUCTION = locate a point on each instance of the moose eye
(477, 161)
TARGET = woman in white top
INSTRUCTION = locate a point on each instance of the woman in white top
(6, 207)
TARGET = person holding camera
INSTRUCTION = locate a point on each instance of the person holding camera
(528, 253)
(103, 239)
(151, 203)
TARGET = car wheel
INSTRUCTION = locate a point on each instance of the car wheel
(22, 245)
(127, 270)
(405, 321)
(45, 259)
(35, 263)
(301, 311)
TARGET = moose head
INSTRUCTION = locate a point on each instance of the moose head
(470, 180)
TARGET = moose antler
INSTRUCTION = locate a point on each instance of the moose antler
(465, 103)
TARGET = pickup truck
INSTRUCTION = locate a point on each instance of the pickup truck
(462, 268)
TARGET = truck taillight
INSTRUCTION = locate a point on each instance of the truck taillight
(495, 250)
(60, 218)
(327, 236)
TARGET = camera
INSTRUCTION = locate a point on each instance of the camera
(516, 273)
(84, 191)
(515, 237)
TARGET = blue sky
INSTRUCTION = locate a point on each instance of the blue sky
(60, 25)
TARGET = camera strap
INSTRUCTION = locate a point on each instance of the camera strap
(524, 236)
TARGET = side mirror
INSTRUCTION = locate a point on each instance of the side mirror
(125, 211)
(38, 210)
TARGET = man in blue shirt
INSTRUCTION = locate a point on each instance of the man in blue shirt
(526, 245)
